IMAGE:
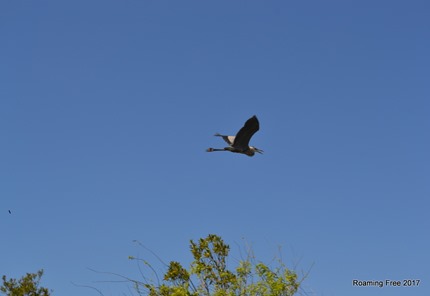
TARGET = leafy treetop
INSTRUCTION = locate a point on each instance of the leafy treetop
(28, 285)
(208, 275)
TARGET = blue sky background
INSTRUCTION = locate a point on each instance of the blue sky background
(107, 107)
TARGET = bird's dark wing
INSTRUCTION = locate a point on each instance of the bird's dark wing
(246, 132)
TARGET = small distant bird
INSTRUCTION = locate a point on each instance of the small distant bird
(10, 212)
(240, 142)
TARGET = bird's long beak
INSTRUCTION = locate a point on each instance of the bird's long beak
(258, 150)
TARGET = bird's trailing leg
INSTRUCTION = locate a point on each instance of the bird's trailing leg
(214, 149)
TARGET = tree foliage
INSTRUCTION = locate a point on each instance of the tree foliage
(28, 285)
(209, 275)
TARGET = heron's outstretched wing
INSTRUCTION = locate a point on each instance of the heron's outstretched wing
(228, 139)
(246, 132)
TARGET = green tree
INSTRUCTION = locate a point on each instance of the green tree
(28, 285)
(208, 275)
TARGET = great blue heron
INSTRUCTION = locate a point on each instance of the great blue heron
(240, 142)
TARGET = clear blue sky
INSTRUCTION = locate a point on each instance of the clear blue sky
(107, 107)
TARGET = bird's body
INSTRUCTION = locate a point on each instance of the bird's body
(240, 142)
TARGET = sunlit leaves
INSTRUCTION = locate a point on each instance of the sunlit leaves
(208, 275)
(28, 285)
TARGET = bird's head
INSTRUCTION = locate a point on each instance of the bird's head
(257, 150)
(251, 151)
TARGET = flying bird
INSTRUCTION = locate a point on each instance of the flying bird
(10, 212)
(240, 142)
